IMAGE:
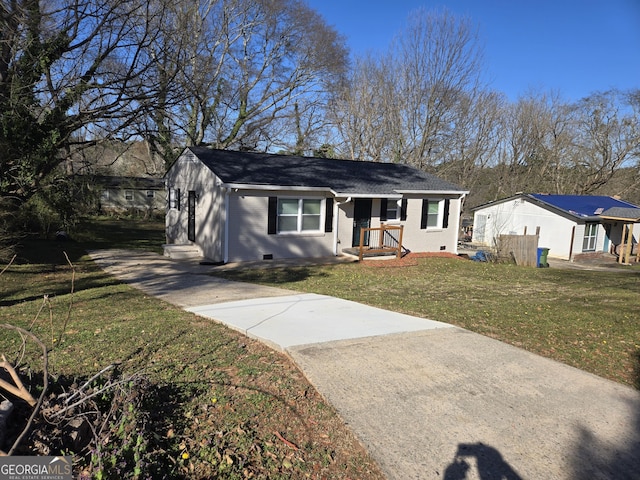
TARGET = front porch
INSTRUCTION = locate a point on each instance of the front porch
(382, 241)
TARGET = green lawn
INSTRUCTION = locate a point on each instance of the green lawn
(203, 402)
(208, 402)
(588, 319)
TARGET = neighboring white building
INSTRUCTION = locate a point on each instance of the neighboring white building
(243, 206)
(569, 225)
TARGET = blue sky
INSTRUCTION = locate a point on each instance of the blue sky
(573, 47)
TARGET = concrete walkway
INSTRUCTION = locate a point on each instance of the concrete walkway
(428, 400)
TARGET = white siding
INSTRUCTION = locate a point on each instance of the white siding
(187, 174)
(247, 237)
(414, 238)
(250, 240)
(513, 216)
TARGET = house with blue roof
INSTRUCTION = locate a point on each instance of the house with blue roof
(569, 225)
(232, 206)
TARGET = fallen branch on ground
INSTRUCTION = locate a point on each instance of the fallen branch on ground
(285, 441)
(45, 382)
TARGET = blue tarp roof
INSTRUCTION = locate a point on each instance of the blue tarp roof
(582, 205)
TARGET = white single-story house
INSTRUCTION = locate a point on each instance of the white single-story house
(569, 225)
(242, 206)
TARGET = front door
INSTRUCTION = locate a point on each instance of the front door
(361, 219)
(191, 215)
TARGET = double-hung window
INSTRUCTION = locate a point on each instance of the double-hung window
(297, 215)
(590, 237)
(435, 214)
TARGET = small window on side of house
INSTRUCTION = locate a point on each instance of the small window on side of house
(128, 195)
(433, 217)
(174, 198)
(431, 214)
(392, 210)
(151, 194)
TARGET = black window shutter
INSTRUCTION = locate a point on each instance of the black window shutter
(272, 222)
(424, 214)
(178, 198)
(445, 220)
(403, 209)
(328, 216)
(383, 209)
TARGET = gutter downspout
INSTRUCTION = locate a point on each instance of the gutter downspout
(336, 212)
(455, 249)
(225, 254)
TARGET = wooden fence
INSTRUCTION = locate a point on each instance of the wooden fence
(523, 249)
(381, 240)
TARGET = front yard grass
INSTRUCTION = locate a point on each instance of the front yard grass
(587, 319)
(214, 403)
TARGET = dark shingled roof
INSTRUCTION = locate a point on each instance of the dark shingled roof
(622, 213)
(340, 176)
(112, 181)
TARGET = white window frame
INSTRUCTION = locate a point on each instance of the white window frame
(440, 214)
(300, 216)
(128, 195)
(590, 238)
(174, 201)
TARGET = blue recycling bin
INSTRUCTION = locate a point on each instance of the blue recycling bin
(542, 257)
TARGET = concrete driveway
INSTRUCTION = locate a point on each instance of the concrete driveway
(428, 400)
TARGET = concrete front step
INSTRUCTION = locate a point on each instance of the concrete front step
(182, 252)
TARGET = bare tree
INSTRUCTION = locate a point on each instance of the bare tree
(405, 105)
(437, 61)
(72, 73)
(537, 145)
(249, 68)
(609, 127)
(474, 139)
(363, 109)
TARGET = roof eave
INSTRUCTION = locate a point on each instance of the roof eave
(620, 219)
(272, 188)
(366, 195)
(434, 192)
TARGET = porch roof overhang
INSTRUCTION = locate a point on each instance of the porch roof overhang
(628, 215)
